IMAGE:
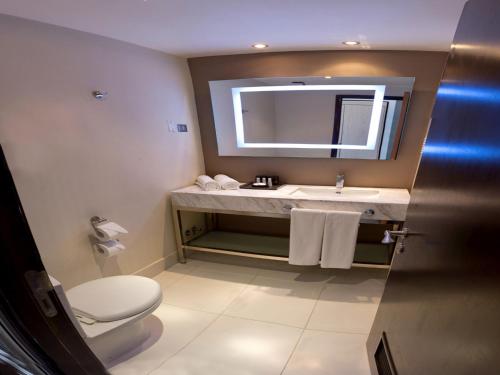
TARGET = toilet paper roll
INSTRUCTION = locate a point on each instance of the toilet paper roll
(105, 234)
(109, 248)
(108, 231)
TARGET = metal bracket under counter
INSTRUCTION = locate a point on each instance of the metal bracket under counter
(366, 216)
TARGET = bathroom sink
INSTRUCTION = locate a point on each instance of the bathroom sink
(327, 192)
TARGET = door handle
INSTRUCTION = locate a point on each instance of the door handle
(390, 234)
(40, 286)
(400, 241)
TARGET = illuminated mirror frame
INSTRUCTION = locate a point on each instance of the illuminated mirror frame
(372, 132)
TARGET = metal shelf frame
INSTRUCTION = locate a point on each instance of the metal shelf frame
(211, 219)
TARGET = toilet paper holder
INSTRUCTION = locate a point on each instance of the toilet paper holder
(106, 230)
(96, 220)
(102, 241)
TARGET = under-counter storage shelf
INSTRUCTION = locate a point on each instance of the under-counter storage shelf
(275, 247)
(257, 223)
(244, 243)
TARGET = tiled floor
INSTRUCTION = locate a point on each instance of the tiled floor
(237, 320)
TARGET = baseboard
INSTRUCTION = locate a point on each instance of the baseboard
(157, 266)
(170, 260)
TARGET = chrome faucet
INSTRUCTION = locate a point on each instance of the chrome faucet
(340, 183)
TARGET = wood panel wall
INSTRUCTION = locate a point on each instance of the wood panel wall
(427, 67)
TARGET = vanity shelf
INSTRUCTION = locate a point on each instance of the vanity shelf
(379, 206)
(268, 246)
(276, 248)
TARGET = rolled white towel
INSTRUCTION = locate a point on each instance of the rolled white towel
(207, 183)
(226, 182)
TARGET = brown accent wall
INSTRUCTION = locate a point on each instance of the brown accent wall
(427, 67)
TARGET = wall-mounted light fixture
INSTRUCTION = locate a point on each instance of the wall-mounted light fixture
(371, 142)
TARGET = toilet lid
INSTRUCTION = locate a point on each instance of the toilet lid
(114, 298)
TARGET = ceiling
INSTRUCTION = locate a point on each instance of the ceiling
(215, 27)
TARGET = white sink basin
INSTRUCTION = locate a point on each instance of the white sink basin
(326, 192)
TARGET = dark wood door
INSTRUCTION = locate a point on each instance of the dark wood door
(440, 311)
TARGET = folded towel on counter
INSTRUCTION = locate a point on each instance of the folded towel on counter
(207, 183)
(339, 239)
(226, 182)
(306, 236)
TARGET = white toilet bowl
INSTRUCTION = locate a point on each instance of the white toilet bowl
(109, 312)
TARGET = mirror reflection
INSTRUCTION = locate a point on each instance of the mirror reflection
(318, 117)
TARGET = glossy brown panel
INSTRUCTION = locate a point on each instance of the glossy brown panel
(427, 67)
(441, 305)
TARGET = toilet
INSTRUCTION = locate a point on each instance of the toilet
(109, 312)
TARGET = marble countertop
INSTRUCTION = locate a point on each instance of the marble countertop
(386, 195)
(388, 204)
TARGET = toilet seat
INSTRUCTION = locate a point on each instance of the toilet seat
(114, 298)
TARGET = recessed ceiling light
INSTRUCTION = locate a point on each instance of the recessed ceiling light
(328, 77)
(260, 45)
(351, 43)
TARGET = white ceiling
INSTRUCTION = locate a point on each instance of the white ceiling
(214, 27)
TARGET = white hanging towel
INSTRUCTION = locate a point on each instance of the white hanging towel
(207, 183)
(339, 239)
(306, 236)
(226, 182)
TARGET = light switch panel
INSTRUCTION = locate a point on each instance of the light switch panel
(182, 128)
(177, 128)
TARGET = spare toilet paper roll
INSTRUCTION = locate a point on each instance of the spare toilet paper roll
(108, 231)
(109, 248)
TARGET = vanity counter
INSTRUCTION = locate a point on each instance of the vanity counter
(375, 203)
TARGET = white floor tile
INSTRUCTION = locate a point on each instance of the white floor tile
(224, 267)
(206, 290)
(299, 274)
(276, 300)
(329, 353)
(232, 346)
(252, 336)
(172, 328)
(174, 273)
(353, 276)
(347, 305)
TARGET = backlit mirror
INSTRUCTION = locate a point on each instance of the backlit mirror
(315, 117)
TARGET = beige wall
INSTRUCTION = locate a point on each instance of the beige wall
(427, 67)
(73, 156)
